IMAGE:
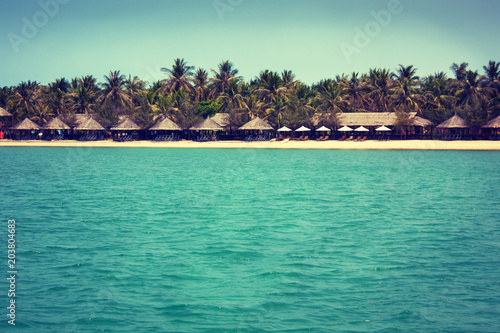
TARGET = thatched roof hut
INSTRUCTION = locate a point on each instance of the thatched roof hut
(257, 124)
(453, 122)
(166, 125)
(223, 119)
(4, 113)
(90, 125)
(126, 125)
(207, 125)
(421, 122)
(26, 124)
(493, 123)
(56, 124)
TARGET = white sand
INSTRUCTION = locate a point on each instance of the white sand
(397, 145)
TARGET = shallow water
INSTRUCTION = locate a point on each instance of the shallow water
(209, 240)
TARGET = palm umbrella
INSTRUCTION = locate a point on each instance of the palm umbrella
(302, 129)
(383, 129)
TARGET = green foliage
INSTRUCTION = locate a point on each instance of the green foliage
(207, 108)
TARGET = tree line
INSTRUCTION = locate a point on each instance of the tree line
(187, 95)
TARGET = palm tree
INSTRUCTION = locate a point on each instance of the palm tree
(473, 96)
(84, 95)
(298, 108)
(57, 96)
(114, 94)
(354, 88)
(201, 81)
(492, 71)
(288, 79)
(24, 100)
(222, 78)
(330, 99)
(269, 86)
(252, 106)
(459, 70)
(437, 97)
(471, 91)
(231, 99)
(382, 87)
(179, 76)
(406, 97)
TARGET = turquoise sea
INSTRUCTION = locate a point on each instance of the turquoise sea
(214, 240)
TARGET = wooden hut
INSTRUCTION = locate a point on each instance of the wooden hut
(165, 130)
(55, 129)
(207, 130)
(126, 130)
(91, 130)
(26, 130)
(257, 130)
(5, 121)
(492, 128)
(453, 128)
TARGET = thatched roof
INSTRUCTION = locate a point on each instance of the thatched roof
(371, 119)
(453, 122)
(257, 124)
(56, 124)
(89, 125)
(222, 119)
(74, 119)
(166, 125)
(126, 125)
(493, 123)
(207, 125)
(4, 113)
(421, 122)
(26, 124)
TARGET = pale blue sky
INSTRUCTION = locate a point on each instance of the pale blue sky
(315, 39)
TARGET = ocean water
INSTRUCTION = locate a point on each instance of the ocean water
(209, 240)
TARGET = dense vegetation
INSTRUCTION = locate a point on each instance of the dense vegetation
(187, 95)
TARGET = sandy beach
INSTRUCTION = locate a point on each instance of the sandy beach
(368, 145)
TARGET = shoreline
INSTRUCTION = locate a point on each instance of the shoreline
(333, 144)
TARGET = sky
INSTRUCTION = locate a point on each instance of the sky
(44, 40)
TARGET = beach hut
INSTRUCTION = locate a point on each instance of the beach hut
(165, 130)
(257, 129)
(5, 122)
(91, 129)
(26, 130)
(55, 129)
(493, 126)
(422, 127)
(207, 130)
(452, 127)
(126, 130)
